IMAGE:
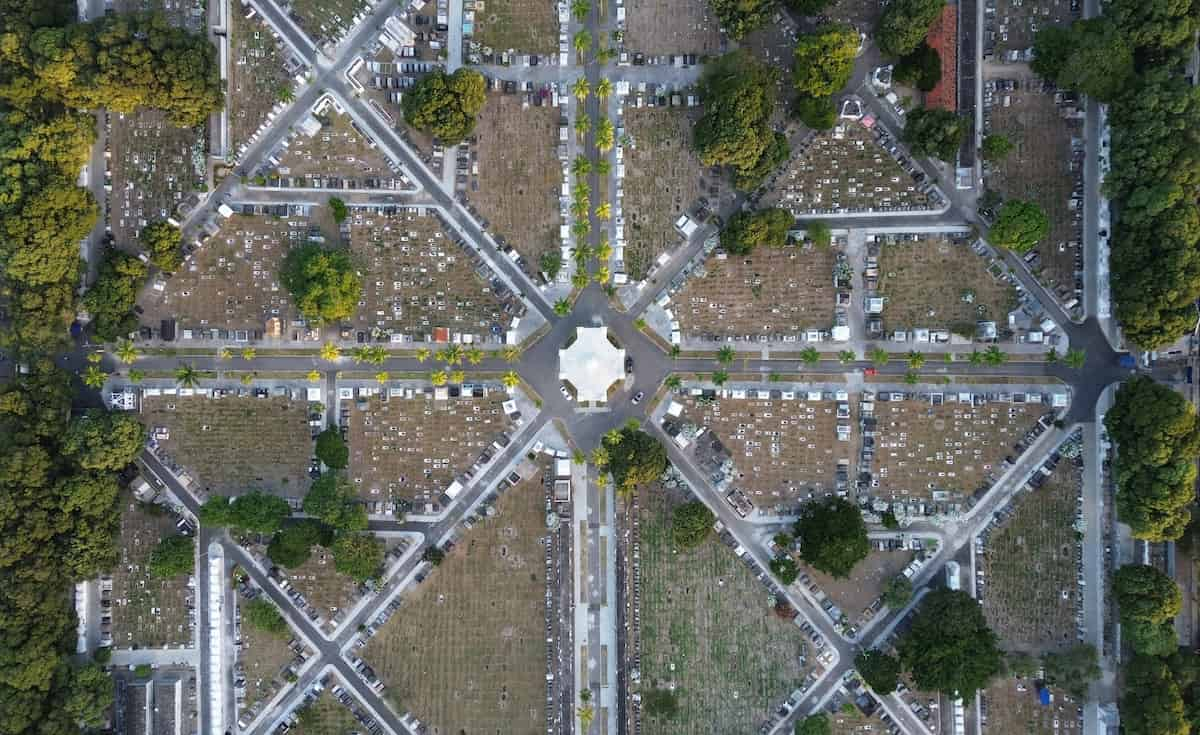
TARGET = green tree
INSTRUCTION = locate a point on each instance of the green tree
(254, 511)
(691, 524)
(1157, 439)
(833, 536)
(818, 113)
(339, 210)
(1073, 669)
(726, 355)
(735, 130)
(1019, 227)
(1152, 703)
(993, 355)
(747, 230)
(1157, 25)
(933, 132)
(358, 555)
(661, 704)
(810, 355)
(262, 614)
(996, 147)
(103, 440)
(904, 25)
(1075, 358)
(173, 556)
(819, 233)
(638, 459)
(111, 299)
(897, 591)
(949, 647)
(551, 263)
(433, 555)
(580, 9)
(824, 60)
(846, 356)
(817, 724)
(331, 449)
(739, 17)
(446, 105)
(164, 244)
(785, 569)
(332, 499)
(916, 360)
(292, 545)
(90, 695)
(720, 378)
(1091, 56)
(582, 41)
(323, 282)
(921, 68)
(880, 671)
(562, 307)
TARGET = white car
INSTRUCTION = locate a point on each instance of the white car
(565, 393)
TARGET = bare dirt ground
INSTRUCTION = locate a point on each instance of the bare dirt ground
(654, 27)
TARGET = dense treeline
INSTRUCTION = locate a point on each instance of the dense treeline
(49, 72)
(1134, 58)
(739, 97)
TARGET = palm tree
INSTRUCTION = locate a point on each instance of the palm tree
(423, 354)
(580, 279)
(94, 377)
(247, 378)
(382, 377)
(510, 379)
(126, 352)
(583, 251)
(330, 351)
(601, 274)
(676, 351)
(186, 376)
(911, 377)
(632, 424)
(603, 251)
(1076, 358)
(581, 166)
(580, 207)
(948, 357)
(580, 9)
(581, 89)
(358, 354)
(562, 307)
(451, 355)
(994, 356)
(613, 437)
(639, 324)
(314, 376)
(582, 42)
(511, 354)
(603, 167)
(846, 356)
(976, 357)
(1052, 356)
(603, 89)
(586, 715)
(135, 375)
(916, 360)
(578, 457)
(224, 354)
(438, 377)
(725, 355)
(95, 358)
(673, 382)
(604, 211)
(810, 356)
(583, 124)
(377, 354)
(720, 377)
(879, 356)
(474, 355)
(249, 353)
(458, 377)
(600, 456)
(581, 228)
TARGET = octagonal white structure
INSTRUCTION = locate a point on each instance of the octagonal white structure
(591, 364)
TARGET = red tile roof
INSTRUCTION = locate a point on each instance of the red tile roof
(943, 36)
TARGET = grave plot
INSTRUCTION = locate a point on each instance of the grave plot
(384, 77)
(844, 170)
(336, 150)
(155, 167)
(237, 443)
(1045, 166)
(940, 284)
(772, 293)
(519, 175)
(1030, 588)
(709, 631)
(187, 14)
(663, 178)
(1016, 23)
(326, 716)
(325, 21)
(851, 721)
(783, 450)
(1013, 708)
(671, 27)
(262, 659)
(466, 651)
(855, 594)
(147, 611)
(329, 592)
(945, 452)
(862, 14)
(233, 281)
(411, 448)
(525, 26)
(257, 77)
(418, 280)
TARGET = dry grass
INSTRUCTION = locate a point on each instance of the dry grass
(854, 594)
(263, 657)
(529, 26)
(338, 150)
(1016, 21)
(147, 612)
(1013, 712)
(325, 20)
(940, 284)
(772, 292)
(519, 175)
(327, 716)
(466, 652)
(413, 448)
(675, 27)
(841, 723)
(256, 75)
(236, 444)
(323, 587)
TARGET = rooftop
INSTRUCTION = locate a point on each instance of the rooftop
(591, 363)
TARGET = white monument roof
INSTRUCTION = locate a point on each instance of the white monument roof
(591, 363)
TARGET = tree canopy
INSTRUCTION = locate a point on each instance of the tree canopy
(740, 17)
(1157, 440)
(1148, 601)
(833, 536)
(90, 695)
(1091, 56)
(358, 555)
(921, 67)
(1019, 227)
(254, 511)
(173, 556)
(261, 613)
(904, 25)
(879, 670)
(824, 60)
(996, 147)
(690, 524)
(636, 459)
(163, 242)
(897, 591)
(446, 105)
(747, 230)
(739, 94)
(332, 500)
(818, 113)
(933, 132)
(323, 282)
(292, 545)
(1152, 703)
(111, 298)
(817, 724)
(1073, 669)
(949, 647)
(331, 449)
(100, 440)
